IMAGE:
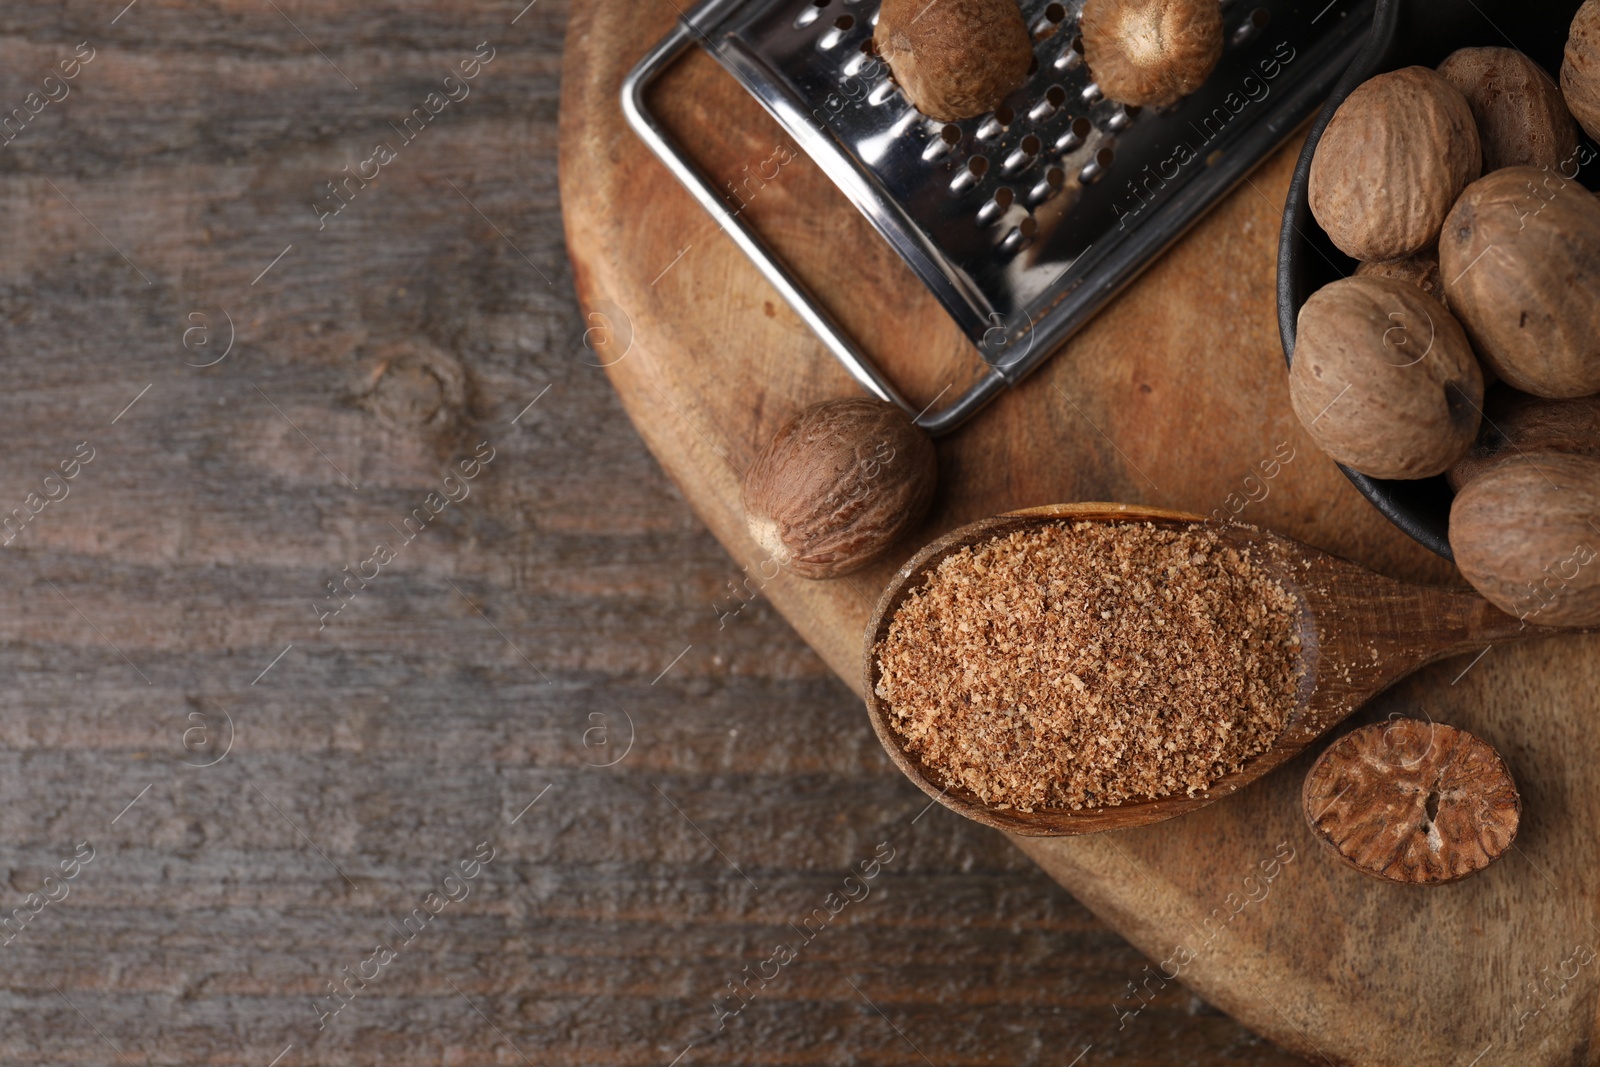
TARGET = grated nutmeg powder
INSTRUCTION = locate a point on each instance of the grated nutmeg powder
(1084, 665)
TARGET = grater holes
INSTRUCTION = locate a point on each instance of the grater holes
(836, 33)
(949, 137)
(996, 206)
(1258, 20)
(996, 123)
(1024, 155)
(973, 173)
(1122, 119)
(1071, 55)
(811, 13)
(858, 62)
(1076, 134)
(1054, 180)
(1048, 24)
(1021, 236)
(1098, 166)
(1054, 99)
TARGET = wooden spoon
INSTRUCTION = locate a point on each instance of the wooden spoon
(1360, 633)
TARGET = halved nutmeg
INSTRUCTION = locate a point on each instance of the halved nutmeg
(1415, 802)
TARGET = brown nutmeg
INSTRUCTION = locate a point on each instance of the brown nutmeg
(1421, 270)
(839, 484)
(1526, 534)
(1580, 68)
(1151, 52)
(1518, 428)
(1419, 803)
(1522, 119)
(954, 59)
(1383, 378)
(1520, 255)
(1395, 156)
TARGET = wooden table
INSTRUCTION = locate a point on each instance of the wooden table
(1175, 397)
(170, 602)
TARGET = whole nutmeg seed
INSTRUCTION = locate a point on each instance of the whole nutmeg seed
(1520, 256)
(1419, 803)
(1580, 68)
(1395, 156)
(1518, 428)
(839, 484)
(954, 59)
(1522, 119)
(1383, 378)
(1151, 52)
(1525, 535)
(1421, 270)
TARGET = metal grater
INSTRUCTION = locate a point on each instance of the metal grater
(1026, 221)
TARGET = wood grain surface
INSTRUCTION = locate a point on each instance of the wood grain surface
(1174, 397)
(170, 601)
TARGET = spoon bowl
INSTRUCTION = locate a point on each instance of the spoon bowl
(1360, 632)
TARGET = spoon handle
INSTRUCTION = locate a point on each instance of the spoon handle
(1372, 631)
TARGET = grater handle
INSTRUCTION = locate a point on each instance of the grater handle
(858, 365)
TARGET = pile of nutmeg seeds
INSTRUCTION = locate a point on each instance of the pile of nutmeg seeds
(1479, 252)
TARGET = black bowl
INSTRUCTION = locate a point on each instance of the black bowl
(1407, 32)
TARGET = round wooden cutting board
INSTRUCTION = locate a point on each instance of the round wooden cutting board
(1174, 397)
